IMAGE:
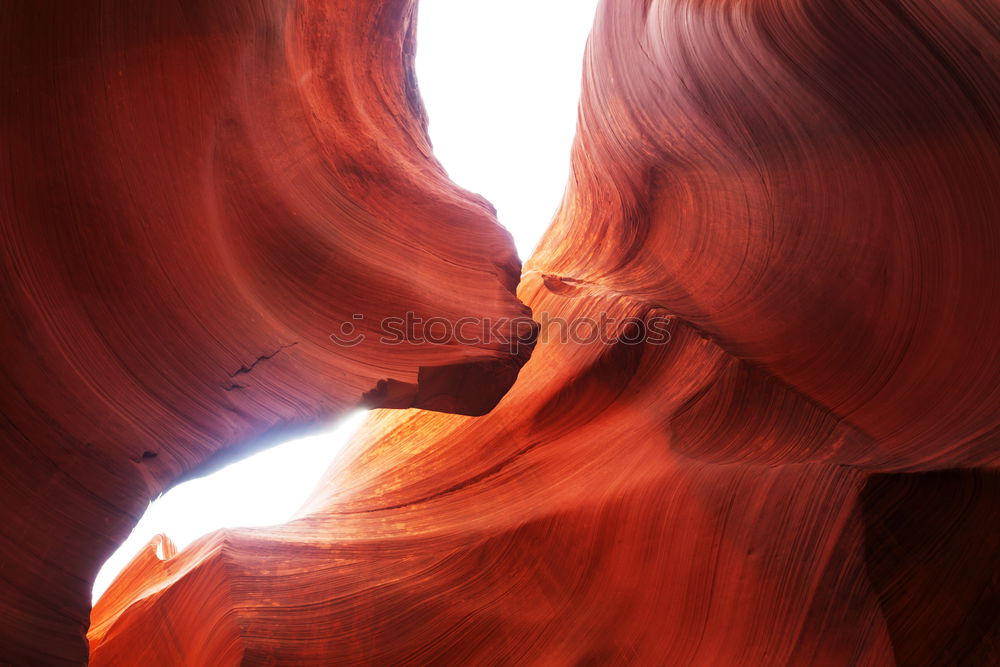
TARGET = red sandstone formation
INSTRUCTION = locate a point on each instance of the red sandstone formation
(197, 194)
(805, 474)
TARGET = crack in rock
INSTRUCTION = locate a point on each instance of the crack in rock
(248, 368)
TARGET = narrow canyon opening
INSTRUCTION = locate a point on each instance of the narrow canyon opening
(751, 419)
(501, 85)
(265, 489)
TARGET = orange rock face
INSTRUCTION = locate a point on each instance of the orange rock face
(804, 471)
(197, 195)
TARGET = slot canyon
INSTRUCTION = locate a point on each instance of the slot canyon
(782, 216)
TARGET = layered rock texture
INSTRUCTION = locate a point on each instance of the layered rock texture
(197, 195)
(805, 473)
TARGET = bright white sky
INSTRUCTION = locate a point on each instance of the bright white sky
(501, 81)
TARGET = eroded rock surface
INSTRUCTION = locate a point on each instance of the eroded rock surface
(196, 196)
(805, 474)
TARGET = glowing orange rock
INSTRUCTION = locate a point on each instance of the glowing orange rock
(805, 474)
(197, 195)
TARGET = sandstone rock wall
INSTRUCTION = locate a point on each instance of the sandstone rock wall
(196, 195)
(805, 474)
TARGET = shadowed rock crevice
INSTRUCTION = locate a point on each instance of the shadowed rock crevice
(932, 551)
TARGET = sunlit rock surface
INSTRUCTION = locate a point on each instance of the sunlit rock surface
(615, 507)
(196, 196)
(805, 474)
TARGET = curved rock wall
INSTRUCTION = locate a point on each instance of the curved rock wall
(624, 504)
(812, 184)
(804, 473)
(197, 195)
(563, 528)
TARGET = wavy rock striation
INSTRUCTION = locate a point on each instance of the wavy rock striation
(616, 507)
(805, 474)
(197, 195)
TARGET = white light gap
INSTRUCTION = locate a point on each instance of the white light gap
(501, 85)
(265, 489)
